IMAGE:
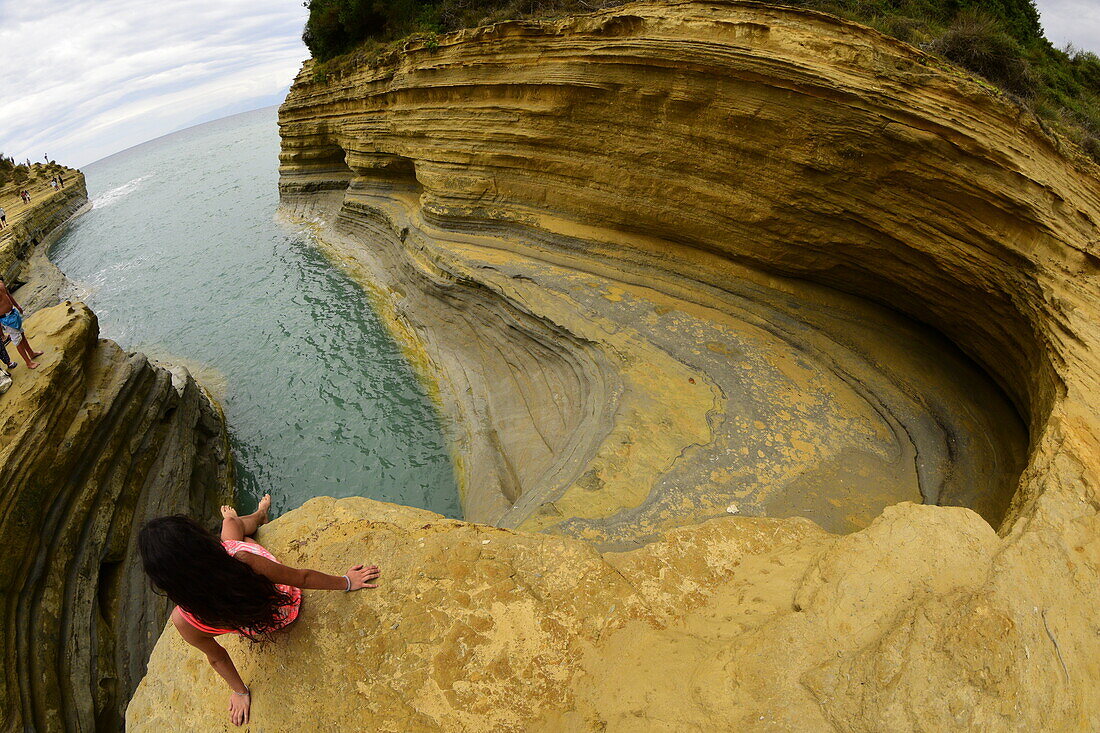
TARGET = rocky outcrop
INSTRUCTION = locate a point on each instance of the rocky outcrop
(585, 231)
(568, 222)
(24, 246)
(734, 624)
(92, 443)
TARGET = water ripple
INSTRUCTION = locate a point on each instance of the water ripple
(318, 398)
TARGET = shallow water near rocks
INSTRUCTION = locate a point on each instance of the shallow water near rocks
(182, 255)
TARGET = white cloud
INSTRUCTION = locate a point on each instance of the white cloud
(81, 80)
(1071, 21)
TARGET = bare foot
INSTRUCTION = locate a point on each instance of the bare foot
(32, 364)
(265, 504)
(36, 354)
(228, 512)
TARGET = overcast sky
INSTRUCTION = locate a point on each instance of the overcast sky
(81, 79)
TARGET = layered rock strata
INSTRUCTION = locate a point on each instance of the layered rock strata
(582, 236)
(495, 185)
(25, 244)
(92, 443)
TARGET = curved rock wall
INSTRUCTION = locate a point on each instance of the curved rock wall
(538, 198)
(92, 443)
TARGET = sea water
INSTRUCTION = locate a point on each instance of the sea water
(183, 259)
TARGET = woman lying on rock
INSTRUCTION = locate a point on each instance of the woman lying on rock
(232, 586)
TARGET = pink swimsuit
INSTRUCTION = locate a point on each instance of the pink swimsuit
(289, 611)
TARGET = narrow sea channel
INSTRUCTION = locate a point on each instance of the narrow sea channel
(182, 257)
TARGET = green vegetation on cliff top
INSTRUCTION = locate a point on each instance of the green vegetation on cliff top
(999, 40)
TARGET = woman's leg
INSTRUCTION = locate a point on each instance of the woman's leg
(238, 528)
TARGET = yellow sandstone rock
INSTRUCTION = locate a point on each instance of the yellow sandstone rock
(92, 443)
(584, 231)
(663, 267)
(738, 623)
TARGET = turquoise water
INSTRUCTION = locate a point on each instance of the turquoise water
(182, 257)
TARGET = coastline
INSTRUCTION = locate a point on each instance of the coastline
(93, 442)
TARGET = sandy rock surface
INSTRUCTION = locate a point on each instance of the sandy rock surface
(732, 624)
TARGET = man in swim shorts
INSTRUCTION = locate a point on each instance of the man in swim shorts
(11, 324)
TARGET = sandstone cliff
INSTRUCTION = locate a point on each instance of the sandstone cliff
(579, 226)
(25, 244)
(91, 444)
(673, 261)
(734, 624)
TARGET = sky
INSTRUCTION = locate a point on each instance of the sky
(81, 79)
(1071, 21)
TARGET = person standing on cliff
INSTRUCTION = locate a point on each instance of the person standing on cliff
(230, 586)
(11, 324)
(3, 218)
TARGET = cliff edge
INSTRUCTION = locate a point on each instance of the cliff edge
(916, 623)
(92, 443)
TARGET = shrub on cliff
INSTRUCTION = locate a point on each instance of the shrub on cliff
(978, 42)
(1000, 40)
(336, 26)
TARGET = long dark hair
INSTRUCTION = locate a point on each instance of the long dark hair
(192, 568)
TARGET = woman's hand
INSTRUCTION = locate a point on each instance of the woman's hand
(239, 706)
(361, 576)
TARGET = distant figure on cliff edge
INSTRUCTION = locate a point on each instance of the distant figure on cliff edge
(3, 218)
(11, 325)
(232, 586)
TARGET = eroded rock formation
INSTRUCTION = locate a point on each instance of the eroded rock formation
(92, 443)
(565, 220)
(25, 244)
(584, 221)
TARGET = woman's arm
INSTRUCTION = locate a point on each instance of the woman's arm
(240, 701)
(359, 575)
